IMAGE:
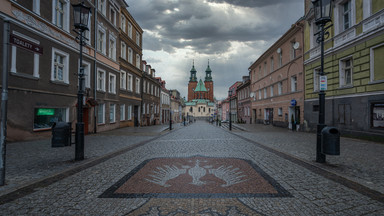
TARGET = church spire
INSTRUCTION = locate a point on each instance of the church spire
(208, 76)
(193, 72)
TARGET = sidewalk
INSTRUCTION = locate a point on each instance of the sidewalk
(359, 160)
(31, 161)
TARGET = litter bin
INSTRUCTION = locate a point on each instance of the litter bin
(61, 134)
(330, 143)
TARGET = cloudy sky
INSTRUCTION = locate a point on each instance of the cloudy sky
(230, 33)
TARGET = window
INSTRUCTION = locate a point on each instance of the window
(101, 114)
(122, 112)
(281, 58)
(260, 72)
(280, 88)
(293, 83)
(137, 85)
(316, 80)
(60, 14)
(100, 80)
(102, 6)
(260, 94)
(112, 16)
(377, 64)
(129, 82)
(148, 88)
(138, 61)
(130, 55)
(144, 88)
(123, 80)
(112, 47)
(152, 93)
(265, 68)
(123, 50)
(130, 29)
(101, 40)
(44, 118)
(129, 116)
(377, 116)
(265, 92)
(19, 55)
(60, 65)
(138, 38)
(122, 23)
(112, 84)
(271, 90)
(280, 111)
(112, 113)
(293, 50)
(346, 72)
(36, 6)
(87, 74)
(346, 14)
(271, 64)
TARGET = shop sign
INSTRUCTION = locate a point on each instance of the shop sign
(23, 43)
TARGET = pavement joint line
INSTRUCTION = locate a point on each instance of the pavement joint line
(29, 188)
(375, 195)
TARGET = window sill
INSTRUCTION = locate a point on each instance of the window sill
(23, 75)
(375, 82)
(59, 83)
(101, 91)
(346, 87)
(42, 129)
(100, 124)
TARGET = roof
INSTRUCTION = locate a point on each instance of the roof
(194, 102)
(200, 87)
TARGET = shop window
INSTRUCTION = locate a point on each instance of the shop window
(122, 112)
(112, 113)
(377, 116)
(44, 118)
(101, 114)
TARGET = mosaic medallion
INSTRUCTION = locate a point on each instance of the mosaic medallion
(196, 177)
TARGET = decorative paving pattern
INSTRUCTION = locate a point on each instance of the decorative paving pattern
(196, 177)
(213, 207)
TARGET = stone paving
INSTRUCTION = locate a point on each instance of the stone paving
(175, 173)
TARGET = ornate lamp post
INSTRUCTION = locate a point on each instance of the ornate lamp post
(230, 111)
(81, 14)
(323, 10)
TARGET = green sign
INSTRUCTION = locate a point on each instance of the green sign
(45, 111)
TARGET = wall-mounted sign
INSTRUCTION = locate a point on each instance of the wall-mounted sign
(45, 112)
(293, 102)
(23, 43)
(323, 83)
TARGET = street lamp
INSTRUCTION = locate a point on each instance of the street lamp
(230, 111)
(81, 14)
(323, 10)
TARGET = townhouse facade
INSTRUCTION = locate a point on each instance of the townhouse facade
(150, 97)
(130, 69)
(164, 102)
(353, 66)
(244, 101)
(277, 81)
(43, 81)
(233, 102)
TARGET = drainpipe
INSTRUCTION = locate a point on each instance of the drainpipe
(4, 100)
(94, 68)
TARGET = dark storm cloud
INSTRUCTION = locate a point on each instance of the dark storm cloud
(203, 28)
(252, 3)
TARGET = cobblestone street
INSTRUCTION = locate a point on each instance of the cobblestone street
(199, 169)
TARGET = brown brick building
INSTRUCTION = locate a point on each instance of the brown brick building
(277, 81)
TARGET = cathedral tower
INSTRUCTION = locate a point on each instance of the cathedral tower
(208, 82)
(192, 83)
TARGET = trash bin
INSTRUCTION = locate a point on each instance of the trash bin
(61, 134)
(330, 141)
